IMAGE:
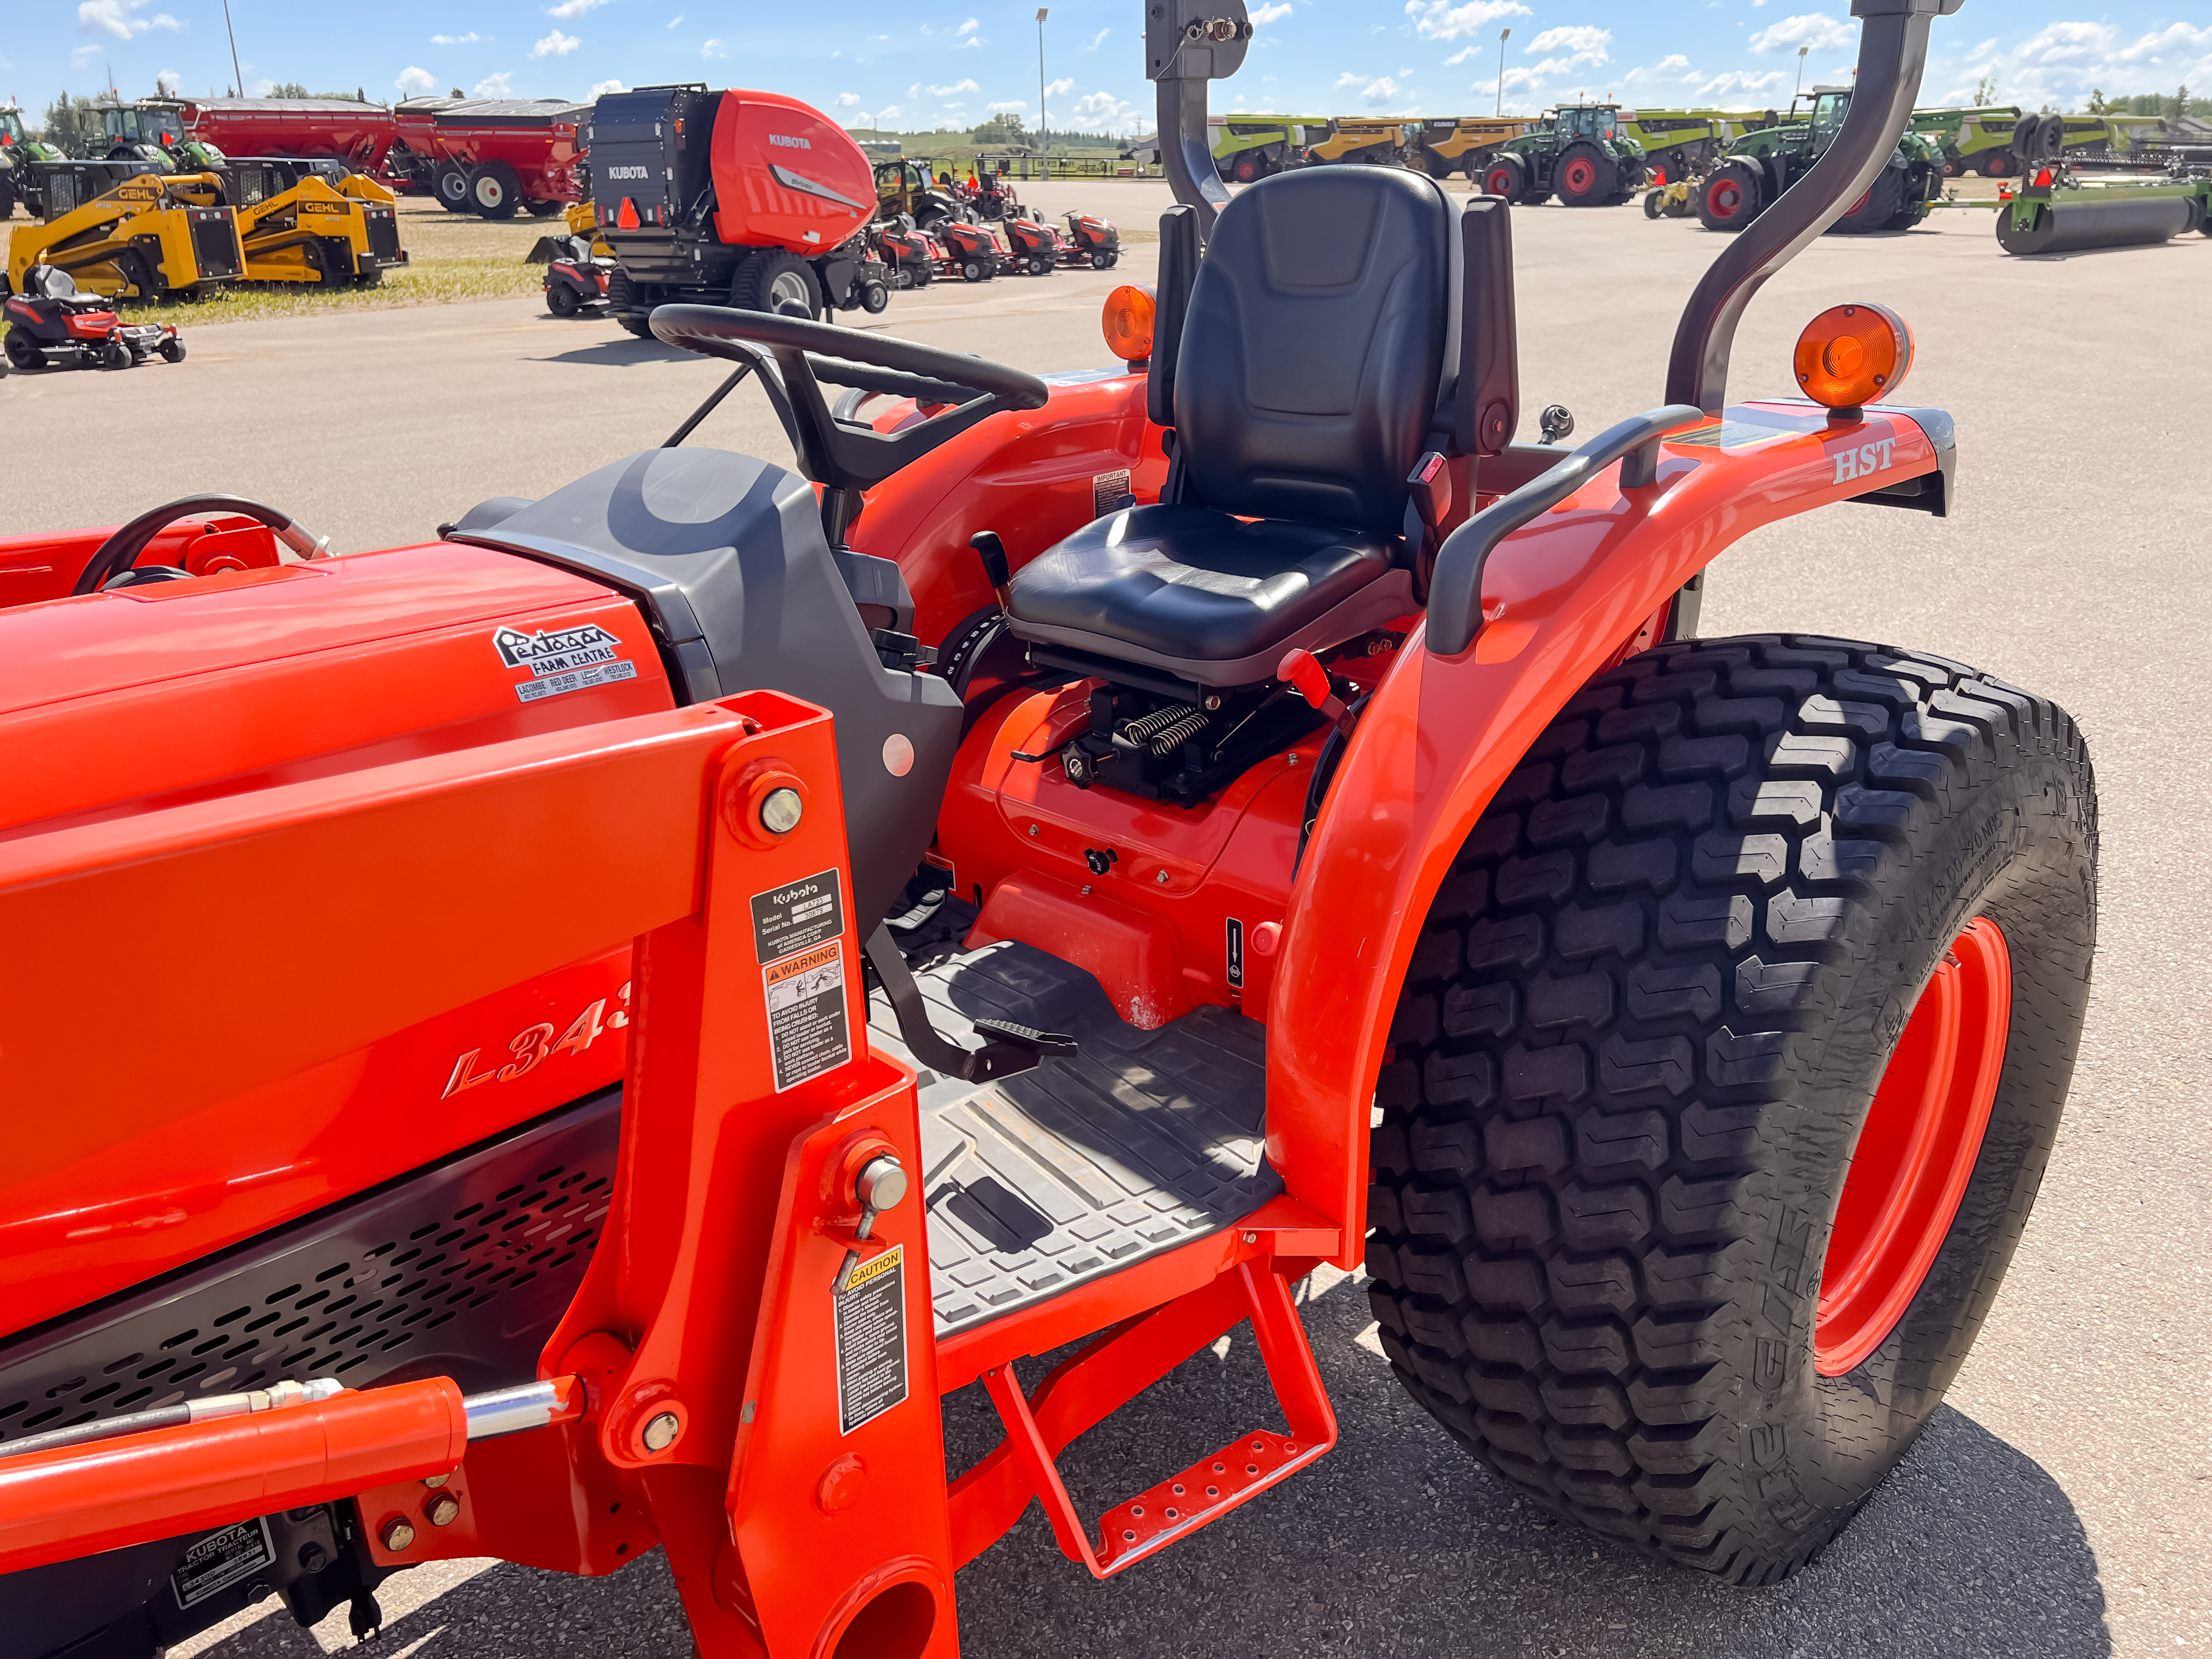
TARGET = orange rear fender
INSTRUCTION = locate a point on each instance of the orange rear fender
(1559, 599)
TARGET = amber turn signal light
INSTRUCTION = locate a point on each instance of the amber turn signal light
(1127, 320)
(1849, 355)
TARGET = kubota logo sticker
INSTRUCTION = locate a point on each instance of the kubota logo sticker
(563, 658)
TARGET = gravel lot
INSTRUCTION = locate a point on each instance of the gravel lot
(2061, 1501)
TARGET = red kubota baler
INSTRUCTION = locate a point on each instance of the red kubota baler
(568, 1037)
(739, 198)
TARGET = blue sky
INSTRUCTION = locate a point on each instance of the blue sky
(917, 64)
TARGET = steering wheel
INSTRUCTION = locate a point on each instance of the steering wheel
(837, 454)
(121, 551)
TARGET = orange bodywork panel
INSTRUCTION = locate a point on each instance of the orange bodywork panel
(1440, 736)
(245, 690)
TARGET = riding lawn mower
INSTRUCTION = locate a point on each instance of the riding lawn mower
(761, 949)
(51, 325)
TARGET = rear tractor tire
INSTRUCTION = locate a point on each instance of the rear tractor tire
(1726, 1069)
(1587, 177)
(1877, 208)
(1729, 199)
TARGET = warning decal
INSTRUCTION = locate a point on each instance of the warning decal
(871, 1322)
(807, 1029)
(220, 1560)
(797, 917)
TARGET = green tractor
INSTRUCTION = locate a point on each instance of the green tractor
(1250, 147)
(19, 176)
(1763, 164)
(1580, 152)
(152, 130)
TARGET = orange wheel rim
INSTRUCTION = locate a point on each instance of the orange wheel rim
(1917, 1153)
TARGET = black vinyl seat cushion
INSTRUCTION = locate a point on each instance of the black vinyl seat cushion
(1181, 586)
(1308, 374)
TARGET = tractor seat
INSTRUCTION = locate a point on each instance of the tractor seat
(1306, 386)
(51, 282)
(1202, 594)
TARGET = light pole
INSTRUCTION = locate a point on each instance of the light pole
(233, 33)
(1794, 96)
(1504, 36)
(1044, 148)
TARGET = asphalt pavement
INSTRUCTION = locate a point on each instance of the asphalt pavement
(2061, 1503)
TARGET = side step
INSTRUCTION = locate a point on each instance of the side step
(1114, 1369)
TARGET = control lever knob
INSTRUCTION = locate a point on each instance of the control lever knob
(880, 1186)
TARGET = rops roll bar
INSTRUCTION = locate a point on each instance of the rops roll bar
(1187, 44)
(1892, 55)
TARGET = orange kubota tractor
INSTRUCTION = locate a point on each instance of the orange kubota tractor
(569, 1038)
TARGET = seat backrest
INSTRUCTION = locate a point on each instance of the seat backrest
(50, 283)
(1308, 371)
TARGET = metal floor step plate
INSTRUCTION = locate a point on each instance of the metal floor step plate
(1139, 1142)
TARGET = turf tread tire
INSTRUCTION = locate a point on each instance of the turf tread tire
(1632, 1052)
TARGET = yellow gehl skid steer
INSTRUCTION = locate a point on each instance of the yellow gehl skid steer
(130, 235)
(312, 221)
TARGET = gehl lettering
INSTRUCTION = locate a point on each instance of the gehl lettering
(1866, 459)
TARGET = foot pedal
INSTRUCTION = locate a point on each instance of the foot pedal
(1208, 1489)
(1011, 1047)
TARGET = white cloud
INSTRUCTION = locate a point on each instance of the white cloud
(1099, 38)
(555, 44)
(497, 86)
(1743, 80)
(574, 7)
(1440, 20)
(1098, 109)
(415, 83)
(601, 89)
(1064, 84)
(1582, 43)
(887, 111)
(1007, 108)
(957, 85)
(115, 17)
(84, 57)
(968, 28)
(1381, 90)
(1272, 14)
(674, 20)
(1815, 29)
(848, 100)
(2061, 63)
(468, 39)
(712, 49)
(1673, 60)
(975, 40)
